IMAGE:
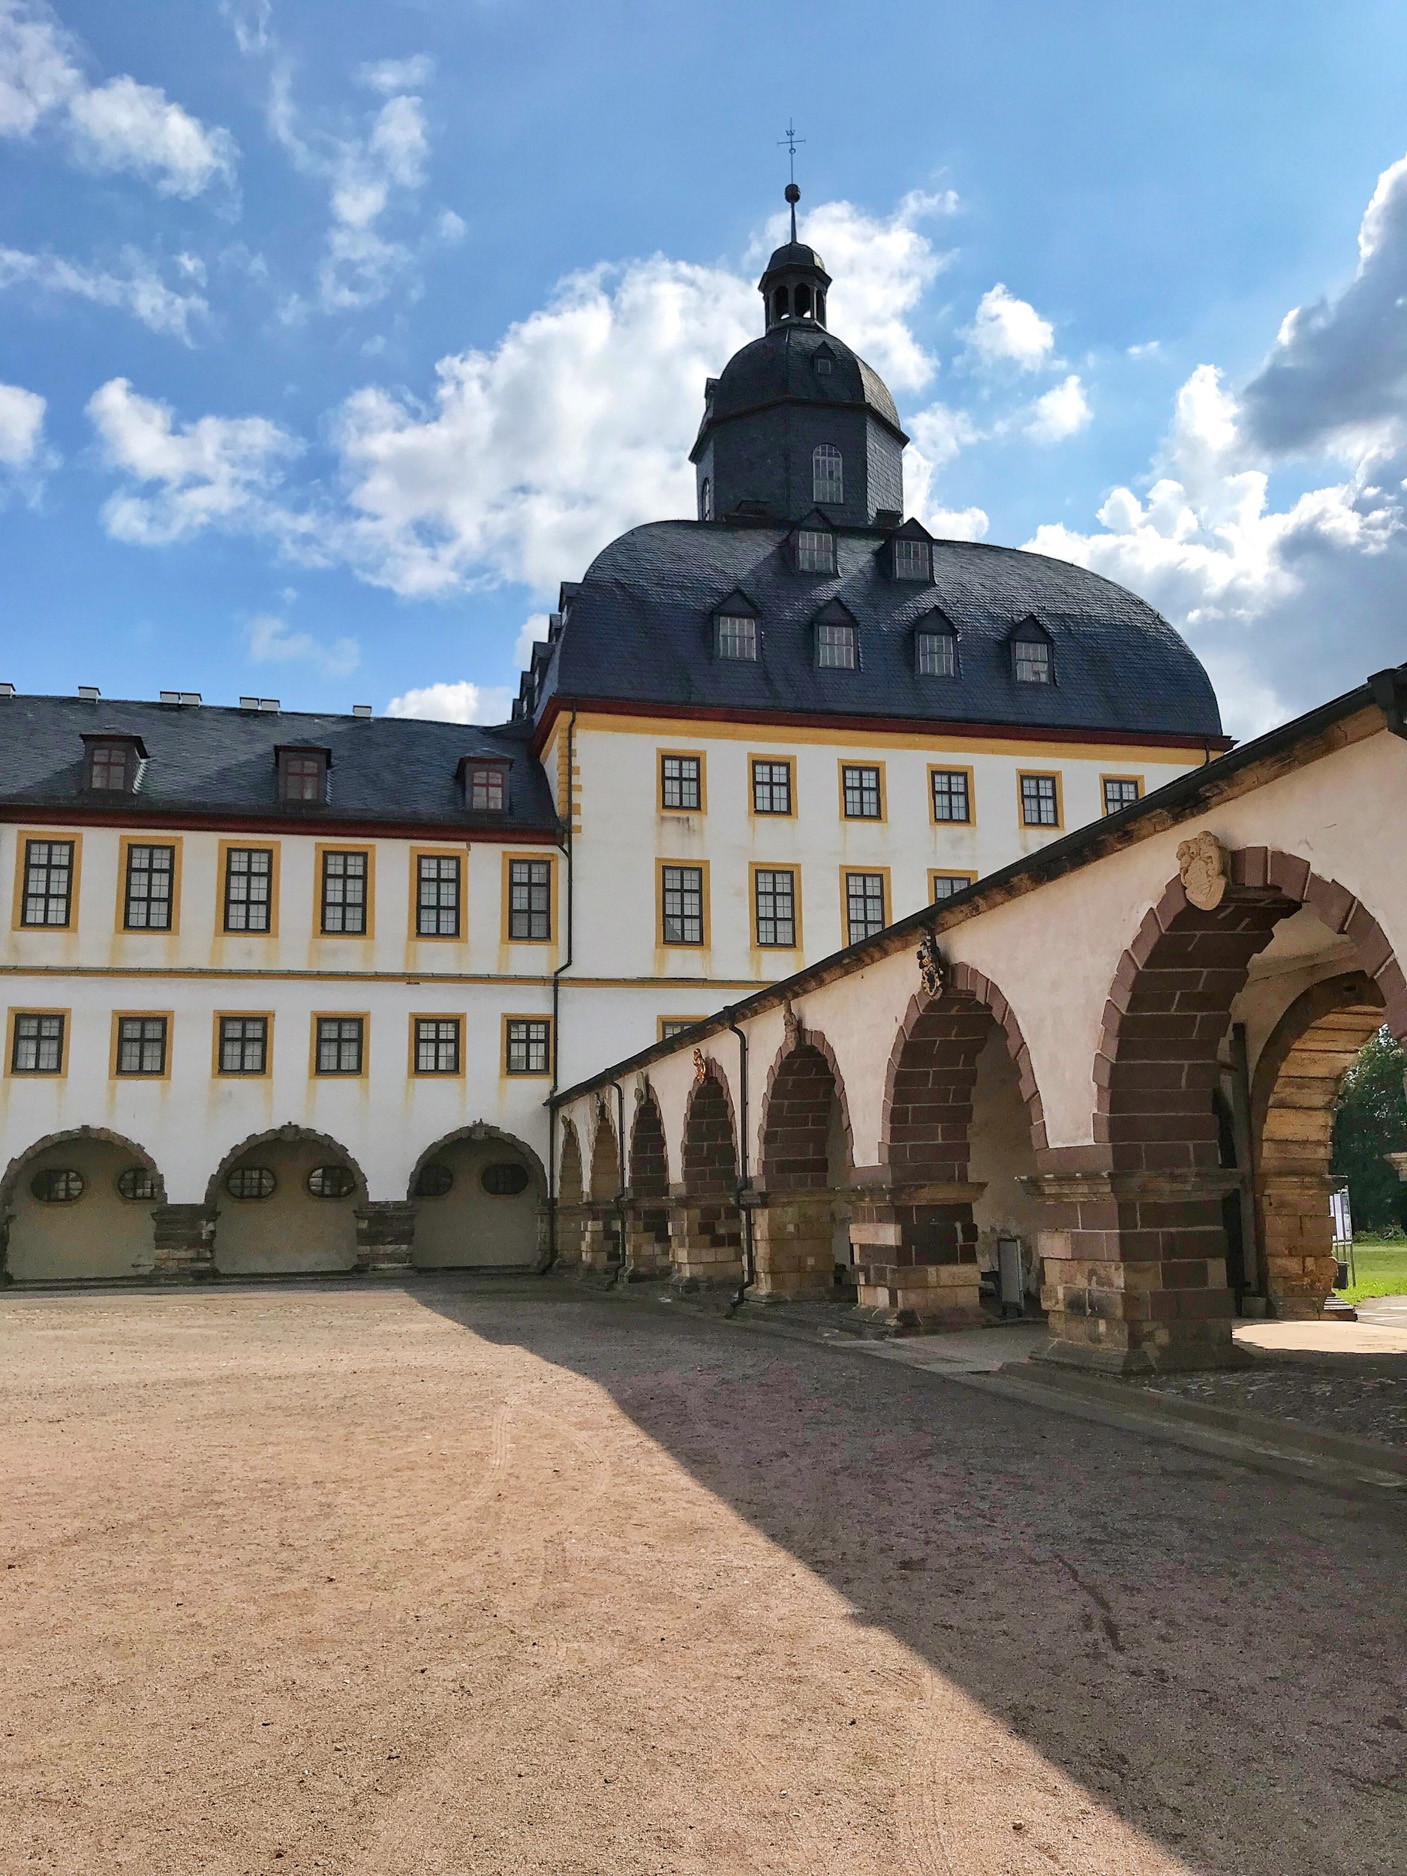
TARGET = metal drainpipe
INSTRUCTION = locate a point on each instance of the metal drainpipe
(745, 1211)
(623, 1274)
(565, 846)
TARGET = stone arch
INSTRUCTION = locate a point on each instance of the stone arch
(98, 1237)
(606, 1181)
(470, 1225)
(291, 1232)
(804, 1137)
(570, 1187)
(1293, 1090)
(649, 1153)
(709, 1151)
(706, 1225)
(1149, 1284)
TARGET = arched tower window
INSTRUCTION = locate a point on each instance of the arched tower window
(781, 305)
(706, 500)
(827, 474)
(820, 307)
(802, 299)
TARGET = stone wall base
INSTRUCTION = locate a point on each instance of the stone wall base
(706, 1243)
(385, 1237)
(920, 1298)
(794, 1249)
(185, 1243)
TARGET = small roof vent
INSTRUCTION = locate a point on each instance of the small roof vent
(180, 696)
(269, 703)
(361, 710)
(89, 693)
(249, 703)
(7, 690)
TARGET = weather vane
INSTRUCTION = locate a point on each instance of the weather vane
(789, 142)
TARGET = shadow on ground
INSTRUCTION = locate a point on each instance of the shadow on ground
(1215, 1654)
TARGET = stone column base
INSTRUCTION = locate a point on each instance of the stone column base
(386, 1237)
(920, 1297)
(706, 1243)
(916, 1256)
(647, 1240)
(185, 1242)
(793, 1247)
(600, 1241)
(1297, 1243)
(571, 1223)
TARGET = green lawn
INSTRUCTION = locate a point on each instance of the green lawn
(1381, 1269)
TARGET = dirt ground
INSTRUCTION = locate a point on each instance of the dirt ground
(443, 1579)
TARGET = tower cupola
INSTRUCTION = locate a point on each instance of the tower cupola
(795, 283)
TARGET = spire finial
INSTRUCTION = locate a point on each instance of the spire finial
(790, 142)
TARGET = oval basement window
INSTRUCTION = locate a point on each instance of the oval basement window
(331, 1182)
(504, 1180)
(57, 1185)
(137, 1183)
(433, 1181)
(250, 1182)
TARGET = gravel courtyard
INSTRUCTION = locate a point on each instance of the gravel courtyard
(442, 1579)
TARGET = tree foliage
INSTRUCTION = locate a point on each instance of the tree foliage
(1370, 1119)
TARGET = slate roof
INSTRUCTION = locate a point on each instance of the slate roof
(210, 761)
(777, 368)
(639, 629)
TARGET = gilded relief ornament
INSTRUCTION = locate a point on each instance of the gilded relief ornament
(932, 967)
(700, 1067)
(1204, 870)
(791, 1023)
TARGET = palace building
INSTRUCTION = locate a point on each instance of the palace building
(290, 992)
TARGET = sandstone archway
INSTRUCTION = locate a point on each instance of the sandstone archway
(801, 1232)
(286, 1204)
(479, 1194)
(706, 1225)
(95, 1223)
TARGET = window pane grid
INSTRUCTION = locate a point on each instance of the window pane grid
(487, 790)
(248, 888)
(946, 884)
(864, 904)
(527, 1046)
(38, 1045)
(530, 899)
(141, 1045)
(815, 551)
(1119, 793)
(950, 797)
(836, 648)
(244, 1042)
(147, 905)
(861, 793)
(344, 894)
(1038, 803)
(681, 782)
(339, 1049)
(48, 882)
(775, 890)
(107, 768)
(437, 1045)
(937, 654)
(683, 905)
(771, 788)
(437, 898)
(827, 474)
(911, 560)
(737, 637)
(1032, 662)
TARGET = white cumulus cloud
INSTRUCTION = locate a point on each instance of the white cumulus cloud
(460, 702)
(1061, 412)
(534, 631)
(272, 642)
(1008, 331)
(138, 290)
(21, 426)
(120, 125)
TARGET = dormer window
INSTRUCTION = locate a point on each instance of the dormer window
(1031, 659)
(302, 775)
(736, 629)
(486, 787)
(827, 474)
(935, 648)
(912, 560)
(111, 763)
(837, 641)
(815, 551)
(824, 364)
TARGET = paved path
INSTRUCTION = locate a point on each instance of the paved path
(438, 1581)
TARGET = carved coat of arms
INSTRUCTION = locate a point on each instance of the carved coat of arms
(932, 967)
(1202, 865)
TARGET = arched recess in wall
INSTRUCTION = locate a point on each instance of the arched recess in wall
(962, 1109)
(79, 1205)
(1156, 1068)
(605, 1157)
(480, 1195)
(709, 1150)
(804, 1137)
(286, 1204)
(571, 1192)
(649, 1155)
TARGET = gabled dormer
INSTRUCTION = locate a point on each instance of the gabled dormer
(303, 770)
(112, 762)
(908, 553)
(487, 783)
(813, 544)
(1032, 652)
(737, 629)
(935, 645)
(835, 638)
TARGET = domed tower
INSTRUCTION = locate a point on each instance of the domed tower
(797, 421)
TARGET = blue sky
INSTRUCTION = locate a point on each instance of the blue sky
(336, 334)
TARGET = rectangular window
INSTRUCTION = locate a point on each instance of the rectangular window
(946, 884)
(937, 654)
(912, 560)
(682, 894)
(530, 899)
(681, 783)
(1120, 791)
(48, 882)
(437, 1045)
(951, 801)
(815, 551)
(147, 899)
(737, 637)
(437, 895)
(771, 788)
(861, 789)
(836, 649)
(107, 767)
(249, 876)
(1032, 657)
(827, 474)
(339, 1045)
(1039, 805)
(38, 1047)
(774, 901)
(244, 1045)
(301, 775)
(864, 905)
(488, 788)
(671, 1026)
(344, 877)
(141, 1045)
(526, 1045)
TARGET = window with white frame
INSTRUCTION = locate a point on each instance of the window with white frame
(1031, 660)
(836, 646)
(936, 654)
(774, 905)
(815, 551)
(827, 474)
(736, 637)
(913, 560)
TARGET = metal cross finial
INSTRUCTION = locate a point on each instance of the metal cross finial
(790, 141)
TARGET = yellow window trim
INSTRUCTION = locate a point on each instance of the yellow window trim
(789, 762)
(535, 854)
(698, 755)
(1137, 781)
(174, 841)
(273, 847)
(530, 1074)
(953, 768)
(863, 762)
(417, 854)
(845, 873)
(340, 846)
(700, 866)
(244, 1015)
(343, 1016)
(773, 866)
(30, 1009)
(169, 1016)
(936, 873)
(23, 836)
(1041, 775)
(433, 1016)
(660, 1022)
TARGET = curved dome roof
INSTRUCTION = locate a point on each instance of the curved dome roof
(778, 368)
(795, 254)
